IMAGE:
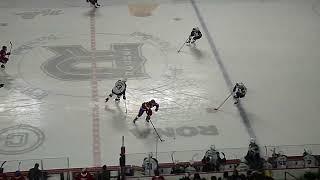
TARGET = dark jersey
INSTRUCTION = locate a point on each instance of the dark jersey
(3, 54)
(149, 105)
(196, 33)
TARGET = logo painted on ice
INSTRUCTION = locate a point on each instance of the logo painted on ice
(20, 139)
(18, 85)
(121, 59)
(185, 131)
(74, 62)
(28, 46)
(45, 12)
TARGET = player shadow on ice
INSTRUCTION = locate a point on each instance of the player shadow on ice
(92, 12)
(226, 110)
(141, 132)
(196, 52)
(6, 79)
(108, 109)
(118, 117)
(223, 112)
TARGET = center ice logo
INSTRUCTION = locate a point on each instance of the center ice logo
(74, 62)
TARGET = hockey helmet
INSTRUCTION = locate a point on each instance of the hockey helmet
(84, 170)
(252, 140)
(4, 47)
(152, 101)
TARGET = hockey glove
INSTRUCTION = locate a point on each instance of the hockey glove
(148, 118)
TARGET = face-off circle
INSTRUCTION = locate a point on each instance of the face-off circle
(20, 139)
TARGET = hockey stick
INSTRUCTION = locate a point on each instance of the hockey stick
(19, 165)
(223, 102)
(182, 45)
(156, 131)
(125, 104)
(10, 47)
(266, 151)
(2, 164)
(172, 158)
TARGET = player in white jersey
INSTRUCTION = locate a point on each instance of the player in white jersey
(149, 165)
(309, 159)
(214, 159)
(119, 90)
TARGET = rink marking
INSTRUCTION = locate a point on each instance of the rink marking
(243, 113)
(94, 95)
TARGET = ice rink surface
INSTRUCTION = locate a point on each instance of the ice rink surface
(66, 57)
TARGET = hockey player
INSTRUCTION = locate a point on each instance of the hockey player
(214, 159)
(146, 106)
(253, 157)
(3, 54)
(94, 3)
(239, 91)
(282, 161)
(149, 165)
(194, 35)
(84, 175)
(119, 89)
(309, 159)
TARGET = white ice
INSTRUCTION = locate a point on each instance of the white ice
(272, 46)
